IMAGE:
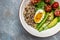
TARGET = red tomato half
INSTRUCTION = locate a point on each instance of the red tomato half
(57, 13)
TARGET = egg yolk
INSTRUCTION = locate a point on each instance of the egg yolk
(38, 17)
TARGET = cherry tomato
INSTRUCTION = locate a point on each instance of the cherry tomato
(57, 12)
(55, 5)
(35, 1)
(48, 8)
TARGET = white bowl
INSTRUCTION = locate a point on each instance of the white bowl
(33, 31)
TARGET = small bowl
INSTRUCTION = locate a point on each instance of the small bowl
(33, 31)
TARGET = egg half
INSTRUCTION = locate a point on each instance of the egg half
(39, 15)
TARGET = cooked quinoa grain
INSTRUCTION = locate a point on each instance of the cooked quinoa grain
(29, 13)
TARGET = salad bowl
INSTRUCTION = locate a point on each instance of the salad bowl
(31, 30)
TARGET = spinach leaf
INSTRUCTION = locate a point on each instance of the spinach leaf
(40, 5)
(52, 1)
(58, 19)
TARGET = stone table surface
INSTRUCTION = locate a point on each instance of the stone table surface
(10, 26)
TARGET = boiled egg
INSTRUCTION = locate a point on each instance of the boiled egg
(39, 15)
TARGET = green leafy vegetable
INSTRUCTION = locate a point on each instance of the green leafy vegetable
(58, 19)
(52, 1)
(40, 5)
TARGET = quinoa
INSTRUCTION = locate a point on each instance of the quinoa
(29, 13)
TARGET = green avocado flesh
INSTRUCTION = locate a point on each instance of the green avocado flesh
(54, 22)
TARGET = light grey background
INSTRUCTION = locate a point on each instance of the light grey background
(10, 26)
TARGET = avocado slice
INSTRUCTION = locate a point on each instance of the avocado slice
(51, 16)
(40, 24)
(53, 23)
